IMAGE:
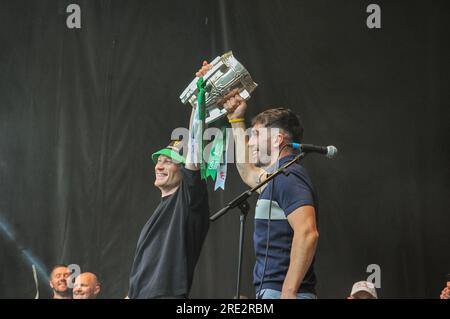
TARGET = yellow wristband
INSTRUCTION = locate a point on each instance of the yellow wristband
(236, 120)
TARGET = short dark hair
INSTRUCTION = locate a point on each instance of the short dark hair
(284, 119)
(57, 266)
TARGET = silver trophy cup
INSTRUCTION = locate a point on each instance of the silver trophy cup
(225, 75)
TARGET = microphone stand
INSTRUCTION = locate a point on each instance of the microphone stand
(241, 202)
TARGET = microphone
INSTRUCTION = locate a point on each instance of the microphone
(329, 151)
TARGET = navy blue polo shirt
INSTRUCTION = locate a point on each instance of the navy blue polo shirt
(289, 193)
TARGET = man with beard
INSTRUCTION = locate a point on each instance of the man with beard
(86, 286)
(58, 282)
(285, 230)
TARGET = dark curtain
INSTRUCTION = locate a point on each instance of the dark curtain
(81, 110)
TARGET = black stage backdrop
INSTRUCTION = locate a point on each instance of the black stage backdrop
(81, 110)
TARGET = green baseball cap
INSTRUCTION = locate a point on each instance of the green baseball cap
(172, 150)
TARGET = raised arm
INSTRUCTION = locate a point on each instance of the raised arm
(236, 106)
(249, 172)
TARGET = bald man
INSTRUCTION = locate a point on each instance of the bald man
(86, 286)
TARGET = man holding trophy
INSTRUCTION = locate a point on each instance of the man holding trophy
(170, 242)
(285, 235)
(285, 232)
